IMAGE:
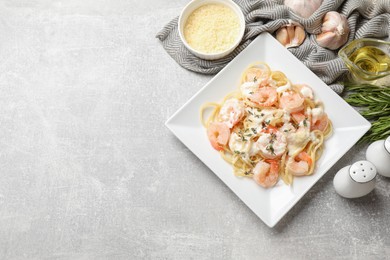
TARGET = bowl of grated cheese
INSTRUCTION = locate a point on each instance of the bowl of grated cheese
(211, 29)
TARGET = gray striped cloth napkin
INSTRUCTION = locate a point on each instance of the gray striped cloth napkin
(366, 18)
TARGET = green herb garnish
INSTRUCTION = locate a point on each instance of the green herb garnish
(270, 148)
(374, 104)
(305, 122)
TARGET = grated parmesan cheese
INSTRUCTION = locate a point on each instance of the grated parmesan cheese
(212, 28)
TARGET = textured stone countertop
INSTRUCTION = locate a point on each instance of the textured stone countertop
(89, 171)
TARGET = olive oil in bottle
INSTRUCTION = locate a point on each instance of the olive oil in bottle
(371, 59)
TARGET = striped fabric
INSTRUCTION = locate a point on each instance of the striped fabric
(366, 18)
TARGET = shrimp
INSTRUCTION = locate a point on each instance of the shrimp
(291, 101)
(218, 134)
(321, 123)
(232, 112)
(266, 173)
(300, 165)
(298, 117)
(273, 144)
(252, 74)
(265, 96)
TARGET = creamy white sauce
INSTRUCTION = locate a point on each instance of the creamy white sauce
(298, 140)
(286, 116)
(272, 114)
(287, 128)
(307, 92)
(317, 113)
(256, 117)
(284, 88)
(313, 137)
(248, 88)
(279, 144)
(237, 144)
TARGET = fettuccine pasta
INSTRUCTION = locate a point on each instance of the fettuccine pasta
(269, 128)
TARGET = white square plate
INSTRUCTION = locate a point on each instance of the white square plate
(269, 204)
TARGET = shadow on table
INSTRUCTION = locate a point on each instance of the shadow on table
(304, 202)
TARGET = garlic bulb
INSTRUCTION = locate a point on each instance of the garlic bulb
(304, 8)
(335, 31)
(291, 35)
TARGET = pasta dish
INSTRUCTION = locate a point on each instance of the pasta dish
(269, 128)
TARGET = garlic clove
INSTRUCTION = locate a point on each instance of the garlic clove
(300, 35)
(282, 36)
(290, 32)
(304, 8)
(291, 35)
(335, 31)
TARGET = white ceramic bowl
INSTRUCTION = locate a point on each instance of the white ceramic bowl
(192, 6)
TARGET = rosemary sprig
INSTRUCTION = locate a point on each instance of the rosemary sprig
(380, 129)
(374, 104)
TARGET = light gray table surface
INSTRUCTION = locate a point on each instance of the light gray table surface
(89, 171)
